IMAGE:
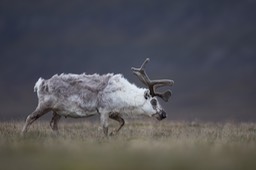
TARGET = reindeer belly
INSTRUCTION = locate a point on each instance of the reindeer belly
(76, 112)
(71, 107)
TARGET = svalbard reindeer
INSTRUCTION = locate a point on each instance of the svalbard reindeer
(109, 95)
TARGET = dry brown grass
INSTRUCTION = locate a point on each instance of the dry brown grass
(139, 145)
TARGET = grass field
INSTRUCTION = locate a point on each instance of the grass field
(139, 145)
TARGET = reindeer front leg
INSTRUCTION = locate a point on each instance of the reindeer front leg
(117, 117)
(104, 122)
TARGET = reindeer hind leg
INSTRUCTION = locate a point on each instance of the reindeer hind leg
(54, 121)
(40, 111)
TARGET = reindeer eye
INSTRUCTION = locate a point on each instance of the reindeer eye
(146, 95)
(153, 102)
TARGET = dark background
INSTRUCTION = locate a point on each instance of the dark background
(206, 47)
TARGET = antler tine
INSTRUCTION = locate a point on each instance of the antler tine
(162, 82)
(141, 73)
(165, 95)
(142, 66)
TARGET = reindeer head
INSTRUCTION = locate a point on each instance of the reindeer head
(152, 107)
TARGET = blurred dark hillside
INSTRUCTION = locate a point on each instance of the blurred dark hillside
(206, 47)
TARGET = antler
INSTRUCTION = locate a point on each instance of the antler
(153, 84)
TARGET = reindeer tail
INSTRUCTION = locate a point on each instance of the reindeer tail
(38, 84)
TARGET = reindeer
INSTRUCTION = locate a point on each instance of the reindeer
(109, 96)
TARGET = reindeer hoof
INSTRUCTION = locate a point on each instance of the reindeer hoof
(113, 133)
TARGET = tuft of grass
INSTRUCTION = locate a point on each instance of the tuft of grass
(139, 145)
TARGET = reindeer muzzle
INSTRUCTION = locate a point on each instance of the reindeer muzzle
(163, 115)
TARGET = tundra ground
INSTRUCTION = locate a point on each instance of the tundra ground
(139, 145)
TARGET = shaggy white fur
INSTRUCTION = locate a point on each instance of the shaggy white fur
(123, 97)
(83, 95)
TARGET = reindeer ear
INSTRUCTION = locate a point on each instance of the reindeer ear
(147, 94)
